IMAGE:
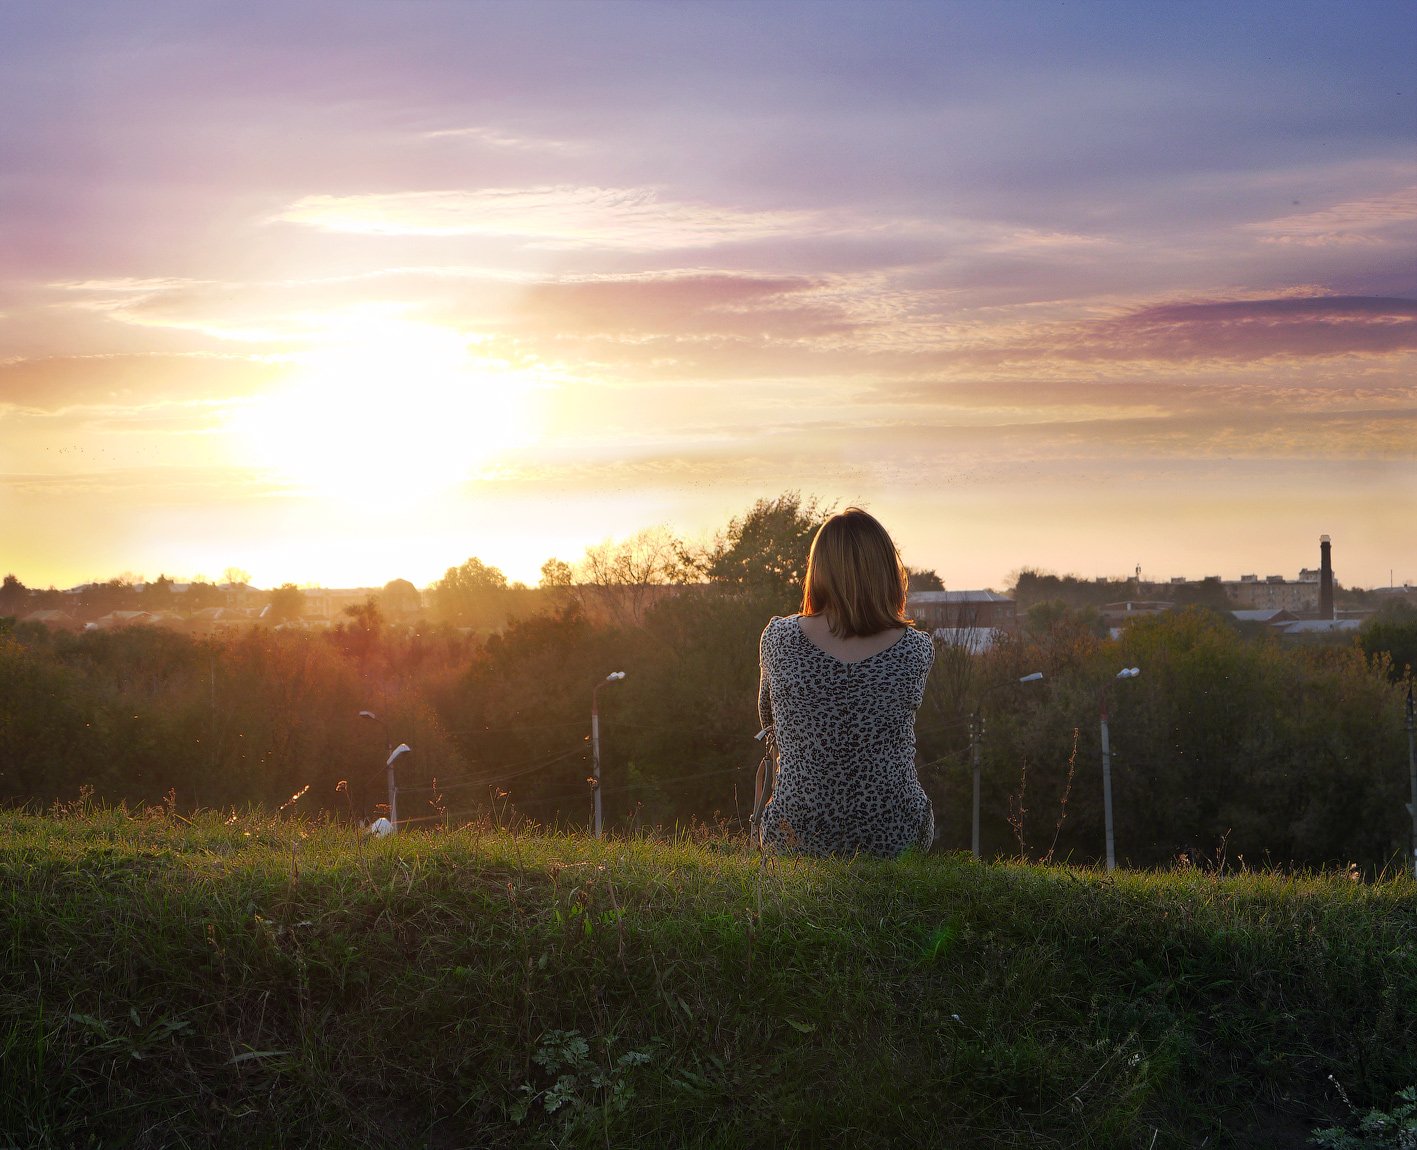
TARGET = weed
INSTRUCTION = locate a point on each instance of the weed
(578, 1090)
(1391, 1129)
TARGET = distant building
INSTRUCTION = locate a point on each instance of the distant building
(1275, 593)
(975, 640)
(961, 610)
(1312, 627)
(1115, 614)
(1312, 593)
(1272, 616)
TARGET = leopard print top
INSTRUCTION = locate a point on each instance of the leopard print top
(845, 734)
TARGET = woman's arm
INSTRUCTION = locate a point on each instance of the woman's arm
(761, 782)
(764, 695)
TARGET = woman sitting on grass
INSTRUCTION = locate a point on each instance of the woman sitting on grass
(840, 686)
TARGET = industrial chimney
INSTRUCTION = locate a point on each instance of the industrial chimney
(1325, 579)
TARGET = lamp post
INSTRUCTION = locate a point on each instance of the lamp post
(1412, 776)
(976, 737)
(613, 677)
(393, 753)
(1124, 673)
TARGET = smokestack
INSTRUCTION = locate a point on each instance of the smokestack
(1325, 579)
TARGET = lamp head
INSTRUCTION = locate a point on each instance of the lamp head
(614, 676)
(367, 715)
(401, 749)
(1033, 678)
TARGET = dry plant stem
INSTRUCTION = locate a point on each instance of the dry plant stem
(619, 921)
(1063, 801)
(1017, 811)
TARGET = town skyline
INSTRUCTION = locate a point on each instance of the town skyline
(350, 292)
(234, 575)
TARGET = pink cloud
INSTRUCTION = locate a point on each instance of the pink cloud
(1253, 329)
(691, 304)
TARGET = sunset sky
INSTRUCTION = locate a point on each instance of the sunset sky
(341, 293)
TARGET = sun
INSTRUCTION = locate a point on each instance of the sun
(383, 410)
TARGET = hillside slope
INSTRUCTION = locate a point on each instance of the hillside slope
(255, 982)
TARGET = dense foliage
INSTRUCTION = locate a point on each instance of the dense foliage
(1230, 743)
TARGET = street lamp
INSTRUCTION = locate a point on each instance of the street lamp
(393, 753)
(1412, 773)
(613, 677)
(1124, 673)
(976, 735)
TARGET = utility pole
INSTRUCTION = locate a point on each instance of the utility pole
(1124, 673)
(976, 733)
(393, 753)
(613, 677)
(1107, 786)
(1412, 776)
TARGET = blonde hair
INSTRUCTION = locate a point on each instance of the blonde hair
(855, 577)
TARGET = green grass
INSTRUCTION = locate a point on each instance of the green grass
(257, 982)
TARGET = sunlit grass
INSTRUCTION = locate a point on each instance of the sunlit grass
(272, 981)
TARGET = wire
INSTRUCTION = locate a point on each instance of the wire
(620, 788)
(508, 730)
(501, 776)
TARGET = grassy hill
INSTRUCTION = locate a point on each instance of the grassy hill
(261, 982)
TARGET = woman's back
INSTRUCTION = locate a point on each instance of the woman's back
(845, 731)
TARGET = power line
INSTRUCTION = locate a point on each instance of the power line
(501, 776)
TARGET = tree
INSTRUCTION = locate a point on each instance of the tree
(556, 573)
(286, 603)
(400, 599)
(1207, 593)
(924, 579)
(201, 593)
(118, 594)
(157, 595)
(619, 578)
(14, 596)
(764, 551)
(1392, 632)
(469, 595)
(1031, 586)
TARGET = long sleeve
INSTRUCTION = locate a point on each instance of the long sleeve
(764, 695)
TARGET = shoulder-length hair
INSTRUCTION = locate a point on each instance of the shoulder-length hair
(855, 577)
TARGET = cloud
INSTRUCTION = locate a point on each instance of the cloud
(687, 305)
(1358, 221)
(563, 216)
(60, 382)
(177, 485)
(1255, 329)
(505, 141)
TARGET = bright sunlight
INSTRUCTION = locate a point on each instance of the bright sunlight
(383, 410)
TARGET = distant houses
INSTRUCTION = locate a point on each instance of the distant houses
(973, 620)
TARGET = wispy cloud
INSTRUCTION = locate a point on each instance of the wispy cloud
(686, 305)
(564, 216)
(506, 141)
(1359, 221)
(1254, 329)
(59, 382)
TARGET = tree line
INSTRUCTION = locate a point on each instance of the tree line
(1231, 743)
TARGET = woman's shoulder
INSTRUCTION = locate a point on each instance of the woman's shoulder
(919, 642)
(778, 627)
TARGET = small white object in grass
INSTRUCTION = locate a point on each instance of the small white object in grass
(381, 827)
